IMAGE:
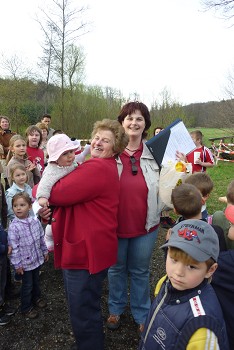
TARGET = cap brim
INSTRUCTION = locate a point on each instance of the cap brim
(196, 253)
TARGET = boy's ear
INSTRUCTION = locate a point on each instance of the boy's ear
(204, 199)
(206, 196)
(211, 270)
(175, 211)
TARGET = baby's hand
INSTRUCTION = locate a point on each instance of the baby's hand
(43, 202)
(9, 250)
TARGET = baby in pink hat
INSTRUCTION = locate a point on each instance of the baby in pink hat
(61, 151)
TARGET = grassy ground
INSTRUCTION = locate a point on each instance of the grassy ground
(222, 174)
(212, 133)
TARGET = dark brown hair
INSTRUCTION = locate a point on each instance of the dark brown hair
(46, 116)
(130, 107)
(157, 127)
(23, 195)
(202, 181)
(187, 200)
(30, 130)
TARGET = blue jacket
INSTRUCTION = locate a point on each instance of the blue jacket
(223, 284)
(175, 316)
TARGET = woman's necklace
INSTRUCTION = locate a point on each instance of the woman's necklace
(131, 150)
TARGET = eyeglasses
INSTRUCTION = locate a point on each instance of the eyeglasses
(134, 167)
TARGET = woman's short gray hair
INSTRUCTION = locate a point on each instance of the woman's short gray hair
(120, 139)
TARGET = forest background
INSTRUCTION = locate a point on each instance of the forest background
(55, 85)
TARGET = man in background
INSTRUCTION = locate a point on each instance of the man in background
(46, 119)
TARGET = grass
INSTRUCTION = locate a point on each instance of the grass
(212, 133)
(221, 175)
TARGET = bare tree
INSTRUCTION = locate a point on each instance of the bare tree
(62, 26)
(18, 88)
(224, 7)
(74, 66)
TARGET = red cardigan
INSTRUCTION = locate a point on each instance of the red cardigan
(84, 221)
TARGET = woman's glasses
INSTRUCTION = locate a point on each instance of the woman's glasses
(134, 167)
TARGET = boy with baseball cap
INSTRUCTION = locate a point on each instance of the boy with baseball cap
(186, 313)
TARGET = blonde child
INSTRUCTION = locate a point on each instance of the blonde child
(186, 313)
(29, 251)
(18, 178)
(17, 155)
(61, 152)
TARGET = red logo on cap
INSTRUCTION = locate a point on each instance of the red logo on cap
(189, 235)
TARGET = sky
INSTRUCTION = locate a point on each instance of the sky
(137, 46)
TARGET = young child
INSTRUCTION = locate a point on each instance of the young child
(225, 221)
(29, 251)
(35, 153)
(5, 309)
(203, 182)
(187, 201)
(61, 151)
(18, 176)
(17, 155)
(205, 158)
(186, 313)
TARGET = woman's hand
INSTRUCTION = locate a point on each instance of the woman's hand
(44, 213)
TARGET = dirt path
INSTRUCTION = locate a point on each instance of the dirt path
(52, 331)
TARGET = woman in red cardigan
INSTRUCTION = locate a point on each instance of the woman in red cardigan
(84, 227)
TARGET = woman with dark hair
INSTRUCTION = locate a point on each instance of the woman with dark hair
(138, 219)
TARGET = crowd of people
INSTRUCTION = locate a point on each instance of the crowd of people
(99, 216)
